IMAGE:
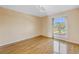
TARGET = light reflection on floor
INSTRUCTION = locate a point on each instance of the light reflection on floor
(62, 47)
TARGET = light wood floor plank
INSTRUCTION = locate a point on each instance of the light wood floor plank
(38, 45)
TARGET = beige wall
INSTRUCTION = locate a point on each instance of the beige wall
(72, 17)
(47, 27)
(15, 26)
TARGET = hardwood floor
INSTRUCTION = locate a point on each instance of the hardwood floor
(65, 47)
(37, 45)
(40, 45)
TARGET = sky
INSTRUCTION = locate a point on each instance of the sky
(59, 20)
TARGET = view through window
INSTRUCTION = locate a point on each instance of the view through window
(60, 28)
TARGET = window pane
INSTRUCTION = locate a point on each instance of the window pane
(60, 26)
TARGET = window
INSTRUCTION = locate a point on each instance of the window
(60, 28)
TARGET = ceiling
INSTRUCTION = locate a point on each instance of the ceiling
(40, 10)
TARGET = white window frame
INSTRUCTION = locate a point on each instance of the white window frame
(60, 36)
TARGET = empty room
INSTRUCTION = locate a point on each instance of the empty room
(39, 29)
